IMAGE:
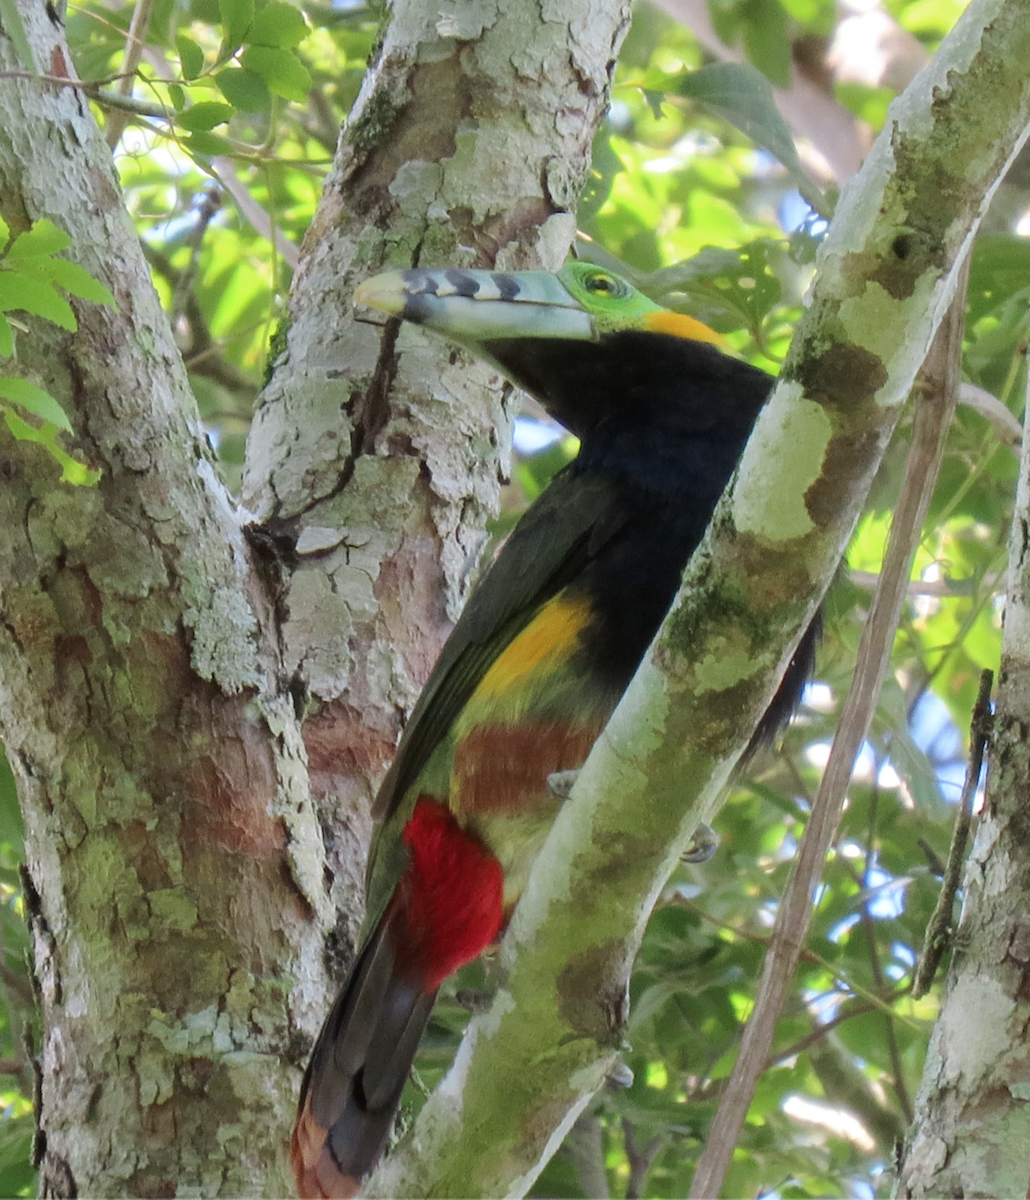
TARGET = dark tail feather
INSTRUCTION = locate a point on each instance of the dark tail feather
(357, 1071)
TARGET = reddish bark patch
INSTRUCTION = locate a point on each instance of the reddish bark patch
(410, 591)
(343, 742)
(228, 801)
(58, 64)
(504, 768)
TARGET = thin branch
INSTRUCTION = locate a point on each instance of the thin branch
(933, 416)
(938, 930)
(875, 964)
(134, 43)
(639, 1158)
(859, 1009)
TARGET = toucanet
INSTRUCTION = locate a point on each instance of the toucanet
(546, 645)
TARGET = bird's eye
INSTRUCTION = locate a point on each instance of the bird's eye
(603, 284)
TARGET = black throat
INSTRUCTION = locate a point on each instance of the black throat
(667, 413)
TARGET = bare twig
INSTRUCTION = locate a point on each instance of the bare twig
(938, 930)
(206, 206)
(940, 378)
(134, 43)
(639, 1158)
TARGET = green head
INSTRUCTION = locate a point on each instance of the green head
(582, 302)
(585, 342)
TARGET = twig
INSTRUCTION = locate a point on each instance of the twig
(938, 932)
(208, 202)
(134, 42)
(639, 1158)
(936, 405)
(875, 965)
(821, 1031)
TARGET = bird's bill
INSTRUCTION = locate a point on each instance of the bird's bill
(480, 306)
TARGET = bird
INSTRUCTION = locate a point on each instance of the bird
(547, 643)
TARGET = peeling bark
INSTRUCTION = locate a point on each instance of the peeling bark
(159, 647)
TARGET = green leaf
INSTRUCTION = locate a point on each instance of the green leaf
(237, 16)
(205, 115)
(5, 234)
(16, 1171)
(43, 238)
(6, 337)
(605, 164)
(72, 471)
(741, 94)
(207, 144)
(191, 57)
(34, 400)
(868, 103)
(11, 23)
(278, 24)
(177, 96)
(244, 90)
(281, 70)
(79, 281)
(766, 40)
(20, 291)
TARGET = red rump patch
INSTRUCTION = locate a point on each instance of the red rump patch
(451, 897)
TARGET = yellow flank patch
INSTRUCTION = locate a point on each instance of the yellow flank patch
(552, 634)
(678, 325)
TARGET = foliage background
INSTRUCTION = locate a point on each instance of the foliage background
(236, 110)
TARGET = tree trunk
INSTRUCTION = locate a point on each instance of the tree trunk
(969, 1136)
(161, 646)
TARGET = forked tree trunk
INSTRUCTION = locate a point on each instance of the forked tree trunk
(161, 646)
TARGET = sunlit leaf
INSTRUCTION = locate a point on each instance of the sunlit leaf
(244, 89)
(237, 16)
(281, 70)
(46, 435)
(43, 238)
(278, 24)
(208, 144)
(205, 115)
(34, 400)
(21, 291)
(191, 57)
(79, 281)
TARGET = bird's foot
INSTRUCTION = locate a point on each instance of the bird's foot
(704, 845)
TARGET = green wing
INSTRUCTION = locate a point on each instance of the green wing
(552, 543)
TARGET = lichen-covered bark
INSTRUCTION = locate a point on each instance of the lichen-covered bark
(886, 276)
(376, 454)
(158, 647)
(971, 1133)
(173, 864)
